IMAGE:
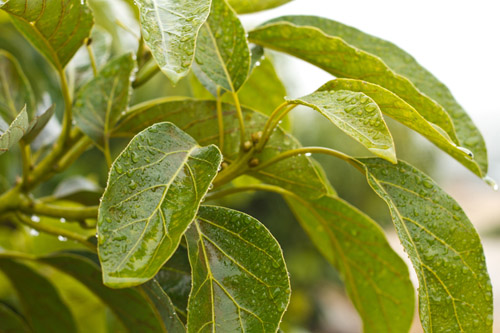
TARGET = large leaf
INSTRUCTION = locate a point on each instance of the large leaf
(11, 321)
(199, 119)
(376, 279)
(101, 101)
(56, 28)
(455, 291)
(154, 190)
(170, 29)
(15, 89)
(357, 115)
(222, 53)
(39, 299)
(38, 124)
(11, 135)
(337, 57)
(164, 306)
(240, 281)
(251, 6)
(404, 64)
(130, 305)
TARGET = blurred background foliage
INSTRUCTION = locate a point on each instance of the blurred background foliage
(314, 281)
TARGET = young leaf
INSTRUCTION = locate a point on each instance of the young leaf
(130, 305)
(11, 135)
(357, 115)
(101, 101)
(240, 281)
(404, 64)
(454, 288)
(11, 321)
(164, 306)
(15, 89)
(56, 28)
(251, 6)
(337, 57)
(376, 279)
(38, 124)
(170, 28)
(222, 53)
(154, 190)
(38, 310)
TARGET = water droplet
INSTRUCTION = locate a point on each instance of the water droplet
(35, 218)
(145, 34)
(456, 207)
(62, 220)
(467, 151)
(491, 182)
(308, 154)
(350, 108)
(62, 238)
(118, 168)
(428, 184)
(370, 108)
(34, 232)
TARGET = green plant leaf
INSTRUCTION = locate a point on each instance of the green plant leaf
(130, 305)
(343, 60)
(376, 279)
(357, 115)
(154, 190)
(101, 101)
(38, 124)
(15, 89)
(164, 306)
(56, 28)
(455, 291)
(404, 64)
(199, 119)
(222, 54)
(11, 321)
(251, 6)
(169, 29)
(240, 281)
(12, 134)
(78, 189)
(28, 283)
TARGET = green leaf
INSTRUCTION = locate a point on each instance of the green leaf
(222, 53)
(130, 305)
(101, 101)
(28, 283)
(199, 119)
(11, 135)
(395, 107)
(169, 29)
(78, 189)
(357, 115)
(11, 321)
(404, 64)
(154, 190)
(251, 6)
(240, 281)
(38, 124)
(376, 279)
(56, 28)
(15, 89)
(337, 57)
(164, 306)
(455, 291)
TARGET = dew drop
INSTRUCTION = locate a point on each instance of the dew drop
(145, 34)
(35, 218)
(62, 238)
(62, 220)
(34, 232)
(370, 108)
(308, 154)
(491, 182)
(467, 151)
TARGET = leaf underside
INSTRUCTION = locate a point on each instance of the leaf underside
(14, 132)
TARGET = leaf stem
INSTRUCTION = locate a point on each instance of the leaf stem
(68, 110)
(91, 56)
(250, 188)
(235, 169)
(26, 158)
(149, 70)
(220, 120)
(69, 213)
(271, 123)
(240, 118)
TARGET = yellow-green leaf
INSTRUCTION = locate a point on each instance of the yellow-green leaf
(164, 306)
(251, 6)
(11, 134)
(38, 123)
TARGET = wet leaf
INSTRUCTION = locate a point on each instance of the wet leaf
(170, 28)
(357, 115)
(454, 288)
(240, 281)
(11, 321)
(199, 119)
(222, 53)
(28, 283)
(56, 28)
(376, 279)
(404, 64)
(164, 306)
(251, 6)
(101, 101)
(38, 124)
(78, 189)
(14, 132)
(154, 190)
(15, 89)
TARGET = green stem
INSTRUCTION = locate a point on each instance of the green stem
(220, 120)
(149, 70)
(92, 58)
(10, 199)
(239, 113)
(271, 123)
(235, 169)
(69, 213)
(68, 110)
(250, 188)
(26, 158)
(107, 153)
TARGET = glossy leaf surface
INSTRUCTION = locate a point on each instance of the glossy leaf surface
(130, 305)
(14, 132)
(170, 28)
(240, 281)
(15, 89)
(199, 119)
(39, 309)
(454, 288)
(38, 124)
(251, 6)
(404, 64)
(56, 28)
(222, 53)
(376, 279)
(154, 190)
(11, 322)
(101, 101)
(164, 306)
(357, 115)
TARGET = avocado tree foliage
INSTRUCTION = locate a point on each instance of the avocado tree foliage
(152, 224)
